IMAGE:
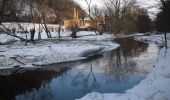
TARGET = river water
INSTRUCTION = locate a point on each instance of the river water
(111, 72)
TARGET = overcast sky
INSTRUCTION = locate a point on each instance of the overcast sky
(151, 5)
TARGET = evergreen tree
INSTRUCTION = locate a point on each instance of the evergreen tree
(143, 23)
(163, 19)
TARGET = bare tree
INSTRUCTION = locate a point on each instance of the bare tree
(89, 2)
(116, 12)
(99, 19)
(4, 5)
(93, 15)
(32, 31)
(42, 9)
(74, 30)
(57, 6)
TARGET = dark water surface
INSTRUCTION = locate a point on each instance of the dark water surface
(113, 72)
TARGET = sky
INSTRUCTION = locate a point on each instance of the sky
(151, 5)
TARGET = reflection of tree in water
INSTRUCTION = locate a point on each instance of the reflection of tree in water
(132, 48)
(27, 82)
(117, 63)
(120, 63)
(44, 92)
(120, 67)
(86, 81)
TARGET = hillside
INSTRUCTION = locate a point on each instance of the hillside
(33, 10)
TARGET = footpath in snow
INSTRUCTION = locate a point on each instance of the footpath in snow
(14, 53)
(154, 87)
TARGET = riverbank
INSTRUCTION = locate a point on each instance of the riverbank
(154, 87)
(14, 53)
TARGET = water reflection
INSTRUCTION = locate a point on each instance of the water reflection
(16, 84)
(116, 71)
(120, 64)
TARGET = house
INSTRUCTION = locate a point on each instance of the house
(77, 18)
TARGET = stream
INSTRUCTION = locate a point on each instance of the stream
(111, 72)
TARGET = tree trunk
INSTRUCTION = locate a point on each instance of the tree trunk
(32, 31)
(166, 45)
(59, 31)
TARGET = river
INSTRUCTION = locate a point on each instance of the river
(110, 72)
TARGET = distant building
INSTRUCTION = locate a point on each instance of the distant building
(77, 18)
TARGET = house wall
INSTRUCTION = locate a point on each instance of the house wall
(72, 23)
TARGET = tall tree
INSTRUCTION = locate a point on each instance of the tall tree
(163, 19)
(143, 22)
(57, 6)
(43, 7)
(117, 12)
(3, 4)
(4, 8)
(96, 16)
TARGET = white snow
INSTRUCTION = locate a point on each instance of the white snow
(6, 39)
(158, 38)
(28, 26)
(52, 50)
(154, 87)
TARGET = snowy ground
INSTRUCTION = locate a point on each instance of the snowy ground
(157, 38)
(154, 87)
(14, 53)
(28, 26)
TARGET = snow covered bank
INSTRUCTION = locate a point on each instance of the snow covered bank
(6, 39)
(28, 26)
(154, 87)
(158, 39)
(48, 51)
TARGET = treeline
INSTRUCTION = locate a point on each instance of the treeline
(163, 19)
(120, 16)
(128, 20)
(42, 12)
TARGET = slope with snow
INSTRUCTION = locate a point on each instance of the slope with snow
(47, 51)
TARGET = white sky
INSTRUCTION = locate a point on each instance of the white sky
(151, 5)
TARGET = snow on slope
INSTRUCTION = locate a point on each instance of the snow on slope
(28, 26)
(158, 38)
(53, 51)
(154, 87)
(6, 39)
